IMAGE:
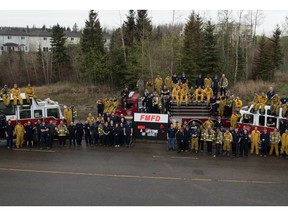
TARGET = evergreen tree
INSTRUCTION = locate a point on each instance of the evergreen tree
(129, 28)
(192, 45)
(209, 62)
(143, 25)
(263, 62)
(75, 28)
(60, 57)
(93, 56)
(277, 55)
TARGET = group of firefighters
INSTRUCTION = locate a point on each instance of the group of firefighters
(193, 138)
(107, 130)
(5, 94)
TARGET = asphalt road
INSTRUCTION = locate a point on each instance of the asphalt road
(146, 175)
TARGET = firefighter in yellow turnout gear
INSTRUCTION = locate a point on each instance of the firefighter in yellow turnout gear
(208, 93)
(175, 94)
(5, 95)
(184, 94)
(158, 84)
(262, 100)
(199, 92)
(284, 143)
(274, 142)
(19, 132)
(168, 82)
(227, 142)
(234, 119)
(29, 92)
(255, 140)
(16, 95)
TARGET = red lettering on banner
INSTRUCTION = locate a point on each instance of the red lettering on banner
(142, 117)
(157, 118)
(147, 118)
(153, 117)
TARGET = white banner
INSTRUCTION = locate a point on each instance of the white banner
(151, 117)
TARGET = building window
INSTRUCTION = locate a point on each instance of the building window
(45, 38)
(9, 37)
(26, 48)
(22, 38)
(2, 48)
(72, 39)
(45, 49)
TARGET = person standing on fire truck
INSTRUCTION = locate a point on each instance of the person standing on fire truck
(255, 140)
(168, 82)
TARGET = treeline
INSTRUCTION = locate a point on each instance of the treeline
(139, 49)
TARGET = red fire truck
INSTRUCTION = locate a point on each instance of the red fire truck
(251, 119)
(44, 110)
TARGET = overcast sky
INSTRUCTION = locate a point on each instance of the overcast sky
(112, 12)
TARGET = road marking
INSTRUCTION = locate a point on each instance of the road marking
(176, 157)
(34, 150)
(136, 176)
(249, 182)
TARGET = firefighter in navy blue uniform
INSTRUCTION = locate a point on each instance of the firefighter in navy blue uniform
(87, 133)
(187, 139)
(244, 143)
(174, 80)
(2, 125)
(264, 139)
(51, 126)
(180, 140)
(215, 86)
(128, 133)
(79, 132)
(29, 129)
(106, 134)
(9, 129)
(94, 132)
(44, 133)
(72, 134)
(38, 132)
(214, 106)
(121, 135)
(111, 129)
(199, 82)
(235, 142)
(100, 106)
(183, 79)
(117, 132)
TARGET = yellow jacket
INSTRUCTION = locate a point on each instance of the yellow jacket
(207, 82)
(199, 91)
(233, 120)
(238, 103)
(29, 91)
(90, 120)
(19, 130)
(263, 99)
(255, 136)
(168, 81)
(208, 123)
(16, 92)
(158, 81)
(176, 90)
(208, 91)
(184, 91)
(228, 137)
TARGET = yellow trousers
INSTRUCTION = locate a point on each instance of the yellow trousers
(194, 143)
(226, 146)
(19, 98)
(19, 140)
(274, 146)
(254, 145)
